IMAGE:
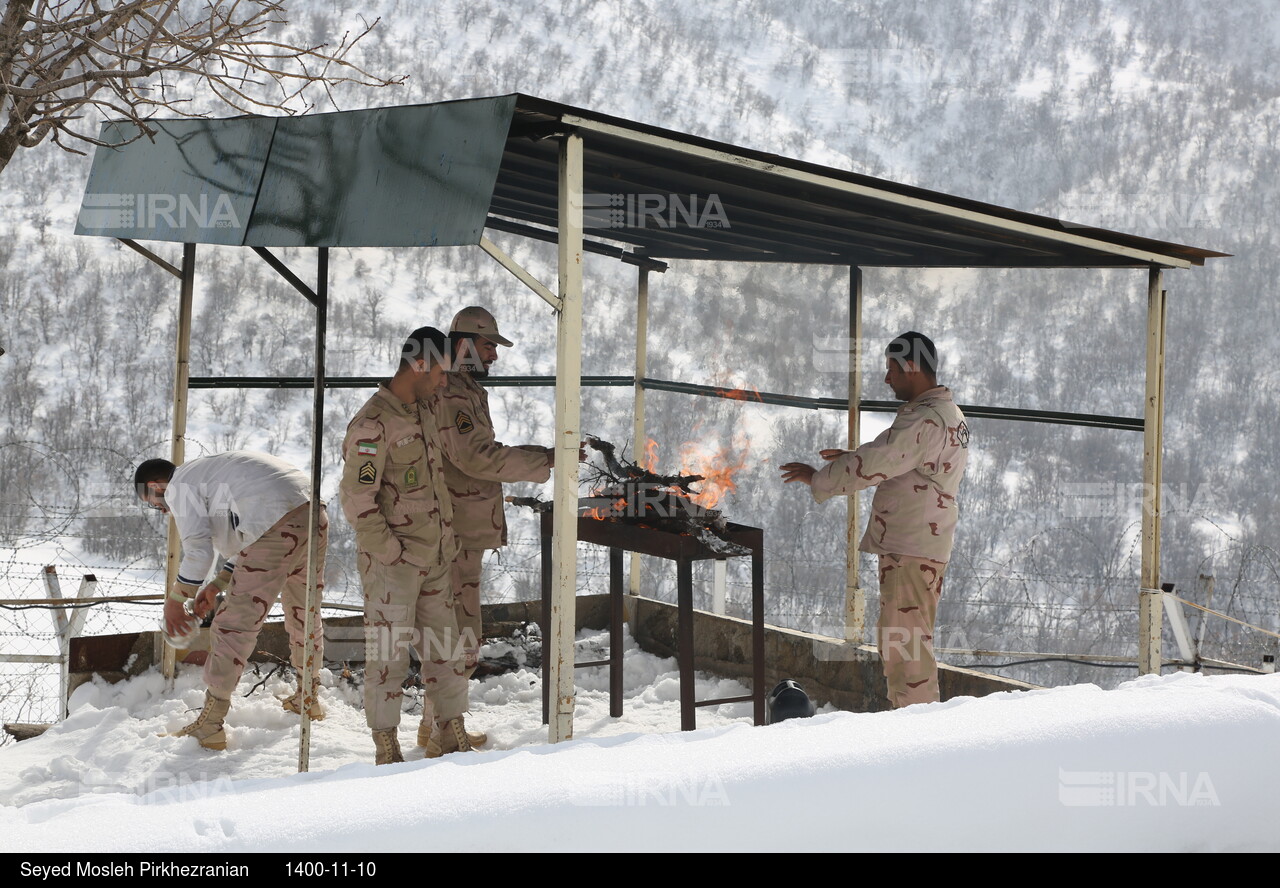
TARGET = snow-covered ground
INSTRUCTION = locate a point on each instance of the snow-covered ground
(1174, 763)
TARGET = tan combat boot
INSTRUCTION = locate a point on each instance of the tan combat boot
(293, 704)
(429, 732)
(207, 728)
(452, 737)
(387, 744)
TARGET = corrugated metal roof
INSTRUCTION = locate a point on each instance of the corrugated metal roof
(437, 174)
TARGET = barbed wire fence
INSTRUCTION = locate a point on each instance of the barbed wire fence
(1022, 617)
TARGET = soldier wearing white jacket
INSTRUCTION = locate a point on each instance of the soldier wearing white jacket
(249, 513)
(916, 466)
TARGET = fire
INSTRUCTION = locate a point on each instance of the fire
(717, 470)
(717, 466)
(650, 463)
(752, 394)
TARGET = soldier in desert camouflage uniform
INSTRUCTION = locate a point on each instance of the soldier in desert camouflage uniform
(474, 469)
(916, 466)
(394, 494)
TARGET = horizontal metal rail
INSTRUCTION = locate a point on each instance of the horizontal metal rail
(339, 382)
(1087, 420)
(1092, 420)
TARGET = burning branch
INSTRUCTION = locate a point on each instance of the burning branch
(617, 472)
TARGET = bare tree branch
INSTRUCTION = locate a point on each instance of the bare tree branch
(60, 58)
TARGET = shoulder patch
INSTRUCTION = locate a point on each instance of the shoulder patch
(463, 422)
(962, 434)
(368, 474)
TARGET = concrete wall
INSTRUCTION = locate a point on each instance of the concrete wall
(846, 676)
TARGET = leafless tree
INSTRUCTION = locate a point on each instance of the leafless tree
(66, 63)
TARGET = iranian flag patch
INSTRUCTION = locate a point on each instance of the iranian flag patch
(366, 449)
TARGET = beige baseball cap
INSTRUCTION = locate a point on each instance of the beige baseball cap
(477, 321)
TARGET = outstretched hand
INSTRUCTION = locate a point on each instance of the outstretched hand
(582, 454)
(798, 472)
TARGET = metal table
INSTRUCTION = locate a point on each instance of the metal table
(683, 549)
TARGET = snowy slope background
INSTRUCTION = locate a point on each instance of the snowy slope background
(1151, 117)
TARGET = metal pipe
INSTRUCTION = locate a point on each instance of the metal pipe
(642, 368)
(1150, 618)
(178, 452)
(720, 586)
(855, 599)
(311, 620)
(520, 274)
(371, 382)
(568, 438)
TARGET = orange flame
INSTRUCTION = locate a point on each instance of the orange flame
(716, 466)
(650, 463)
(717, 470)
(752, 394)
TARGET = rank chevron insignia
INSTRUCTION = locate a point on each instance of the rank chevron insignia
(463, 422)
(368, 474)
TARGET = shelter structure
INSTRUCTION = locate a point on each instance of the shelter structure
(443, 174)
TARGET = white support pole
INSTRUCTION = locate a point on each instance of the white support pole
(1206, 583)
(720, 587)
(855, 599)
(54, 589)
(564, 540)
(311, 622)
(72, 626)
(1149, 599)
(63, 628)
(68, 625)
(88, 589)
(638, 439)
(1181, 630)
(178, 453)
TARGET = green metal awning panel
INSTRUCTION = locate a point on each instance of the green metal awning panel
(438, 174)
(411, 176)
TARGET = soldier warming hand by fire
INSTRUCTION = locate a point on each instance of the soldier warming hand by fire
(916, 466)
(475, 467)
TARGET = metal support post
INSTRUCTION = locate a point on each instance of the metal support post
(684, 643)
(178, 452)
(638, 439)
(559, 645)
(720, 586)
(311, 620)
(1149, 600)
(855, 599)
(1187, 650)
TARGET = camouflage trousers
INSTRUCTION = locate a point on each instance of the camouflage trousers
(273, 567)
(467, 568)
(406, 606)
(909, 592)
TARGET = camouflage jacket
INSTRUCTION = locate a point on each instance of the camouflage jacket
(393, 489)
(915, 465)
(476, 465)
